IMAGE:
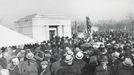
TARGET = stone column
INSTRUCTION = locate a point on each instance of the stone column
(67, 30)
(47, 32)
(62, 30)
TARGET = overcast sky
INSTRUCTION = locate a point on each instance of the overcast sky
(12, 10)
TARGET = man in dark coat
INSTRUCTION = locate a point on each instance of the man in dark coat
(125, 68)
(114, 63)
(103, 68)
(58, 64)
(78, 61)
(3, 61)
(91, 66)
(71, 68)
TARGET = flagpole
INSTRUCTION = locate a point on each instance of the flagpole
(89, 36)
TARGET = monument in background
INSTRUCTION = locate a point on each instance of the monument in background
(43, 27)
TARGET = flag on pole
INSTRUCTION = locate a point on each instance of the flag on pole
(88, 25)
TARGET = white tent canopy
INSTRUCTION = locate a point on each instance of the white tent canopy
(9, 37)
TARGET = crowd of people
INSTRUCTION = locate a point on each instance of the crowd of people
(72, 56)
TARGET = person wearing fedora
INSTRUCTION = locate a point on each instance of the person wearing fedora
(78, 60)
(125, 68)
(114, 63)
(71, 68)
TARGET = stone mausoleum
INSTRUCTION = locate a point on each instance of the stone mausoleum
(43, 27)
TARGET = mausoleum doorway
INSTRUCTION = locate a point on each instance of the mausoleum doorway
(53, 31)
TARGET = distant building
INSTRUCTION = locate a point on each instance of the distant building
(43, 27)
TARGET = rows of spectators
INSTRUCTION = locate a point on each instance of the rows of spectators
(72, 56)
